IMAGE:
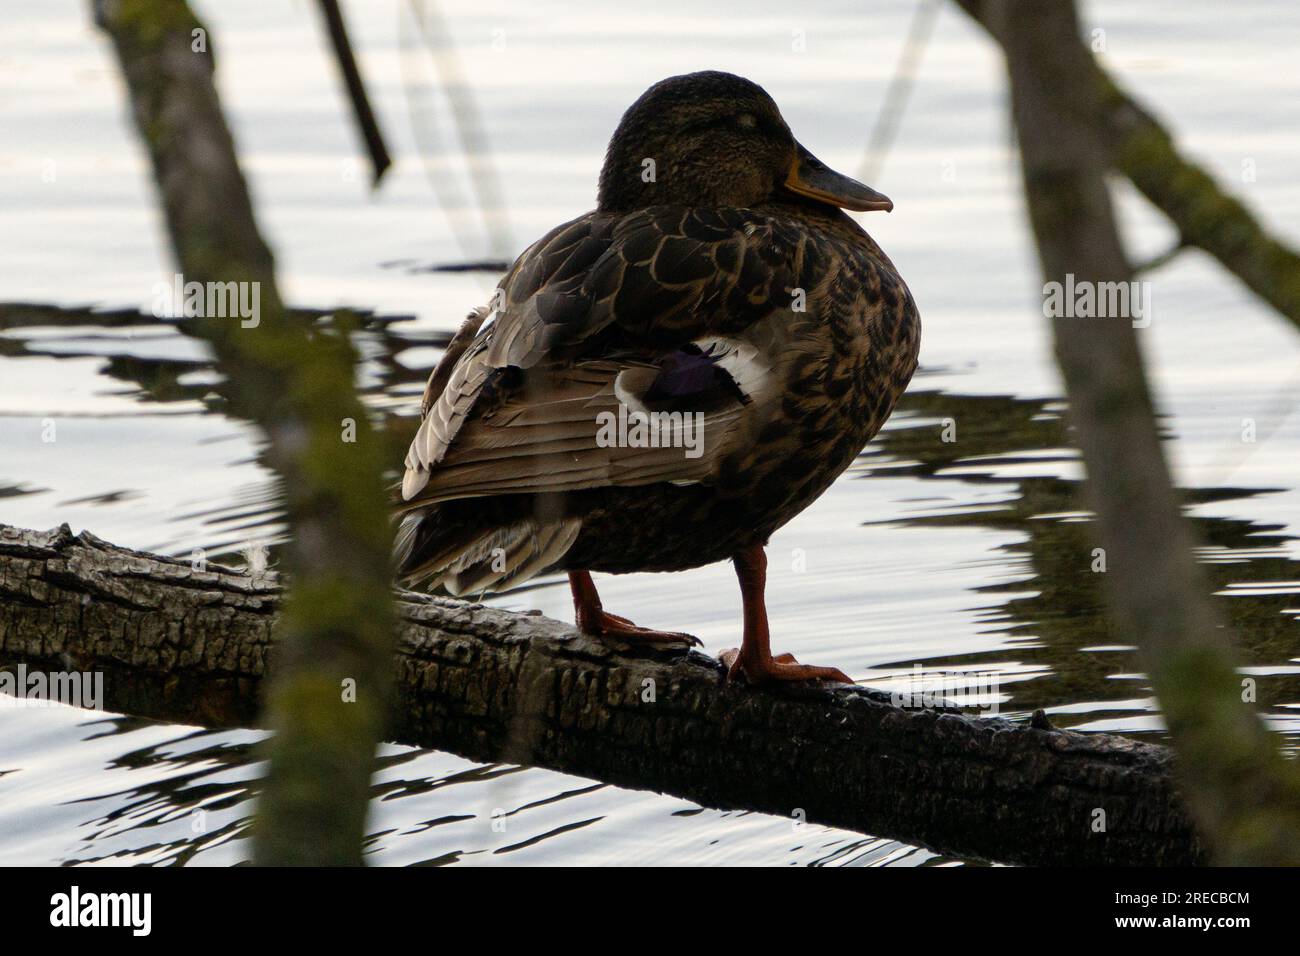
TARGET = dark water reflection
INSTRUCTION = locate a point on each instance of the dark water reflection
(1061, 629)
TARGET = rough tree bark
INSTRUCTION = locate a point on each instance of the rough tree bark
(295, 379)
(194, 646)
(1243, 793)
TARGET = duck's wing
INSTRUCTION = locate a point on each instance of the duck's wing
(602, 320)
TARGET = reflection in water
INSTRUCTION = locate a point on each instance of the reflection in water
(167, 795)
(182, 804)
(1054, 615)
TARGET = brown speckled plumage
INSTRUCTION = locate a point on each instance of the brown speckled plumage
(688, 306)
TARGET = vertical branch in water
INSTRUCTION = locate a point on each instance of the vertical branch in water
(361, 109)
(294, 378)
(1244, 795)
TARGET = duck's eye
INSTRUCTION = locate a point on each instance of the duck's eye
(747, 121)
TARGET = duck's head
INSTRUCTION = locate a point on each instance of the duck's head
(716, 139)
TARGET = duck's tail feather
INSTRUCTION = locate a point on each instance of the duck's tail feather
(467, 560)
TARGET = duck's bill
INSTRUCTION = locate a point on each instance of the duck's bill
(810, 177)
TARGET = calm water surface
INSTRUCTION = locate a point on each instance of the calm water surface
(965, 557)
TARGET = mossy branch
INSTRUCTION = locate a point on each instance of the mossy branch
(1206, 215)
(294, 378)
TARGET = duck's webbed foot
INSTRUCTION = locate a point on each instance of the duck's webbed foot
(595, 620)
(604, 624)
(782, 667)
(754, 658)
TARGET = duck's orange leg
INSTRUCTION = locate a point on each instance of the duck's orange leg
(754, 658)
(593, 619)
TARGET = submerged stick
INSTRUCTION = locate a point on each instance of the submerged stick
(194, 646)
(362, 111)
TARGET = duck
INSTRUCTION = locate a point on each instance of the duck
(663, 382)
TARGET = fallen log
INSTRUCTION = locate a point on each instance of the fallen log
(193, 645)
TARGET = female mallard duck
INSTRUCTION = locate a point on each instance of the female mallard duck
(663, 382)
